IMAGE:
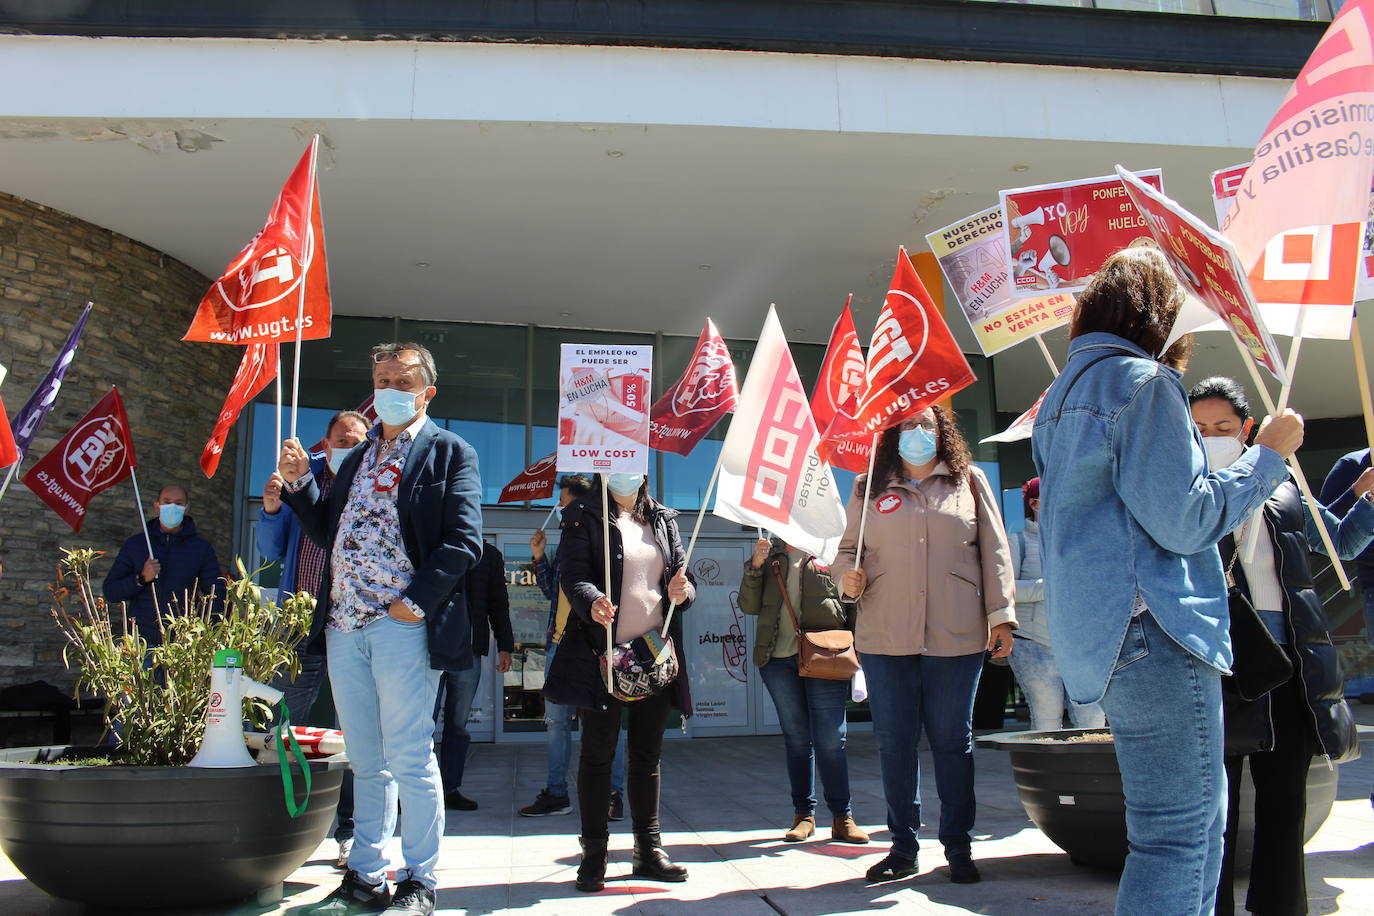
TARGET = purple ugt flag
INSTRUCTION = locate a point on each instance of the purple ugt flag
(30, 417)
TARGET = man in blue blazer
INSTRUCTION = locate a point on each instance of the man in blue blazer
(400, 528)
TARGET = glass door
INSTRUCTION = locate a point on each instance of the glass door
(521, 703)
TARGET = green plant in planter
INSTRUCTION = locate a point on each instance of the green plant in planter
(156, 697)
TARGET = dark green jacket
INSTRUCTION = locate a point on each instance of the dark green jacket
(760, 595)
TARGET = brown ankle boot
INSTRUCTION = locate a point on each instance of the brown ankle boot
(844, 830)
(802, 827)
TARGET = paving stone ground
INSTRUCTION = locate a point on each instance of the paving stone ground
(725, 806)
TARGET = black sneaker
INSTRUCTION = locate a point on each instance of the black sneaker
(962, 870)
(546, 804)
(891, 868)
(352, 896)
(459, 802)
(411, 899)
(617, 812)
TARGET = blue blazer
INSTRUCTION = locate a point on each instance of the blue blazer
(439, 502)
(279, 538)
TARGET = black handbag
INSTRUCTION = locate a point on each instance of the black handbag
(1261, 664)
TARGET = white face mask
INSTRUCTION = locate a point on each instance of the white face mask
(336, 458)
(1222, 451)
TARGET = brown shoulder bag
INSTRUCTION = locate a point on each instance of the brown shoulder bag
(825, 654)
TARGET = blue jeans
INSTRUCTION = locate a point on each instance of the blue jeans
(452, 707)
(907, 693)
(300, 692)
(1038, 674)
(811, 712)
(384, 692)
(1165, 709)
(559, 721)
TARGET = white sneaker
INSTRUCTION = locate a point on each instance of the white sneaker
(345, 847)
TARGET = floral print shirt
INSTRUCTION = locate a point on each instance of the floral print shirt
(369, 560)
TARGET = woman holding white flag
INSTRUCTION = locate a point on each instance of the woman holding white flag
(1129, 522)
(649, 676)
(935, 591)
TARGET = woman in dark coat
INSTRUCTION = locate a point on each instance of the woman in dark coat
(1305, 716)
(647, 573)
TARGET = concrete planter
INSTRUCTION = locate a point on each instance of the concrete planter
(145, 837)
(1072, 792)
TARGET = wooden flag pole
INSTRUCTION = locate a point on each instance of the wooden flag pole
(1361, 379)
(606, 535)
(696, 529)
(305, 273)
(1048, 357)
(863, 509)
(1296, 468)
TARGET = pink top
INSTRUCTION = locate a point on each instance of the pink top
(641, 581)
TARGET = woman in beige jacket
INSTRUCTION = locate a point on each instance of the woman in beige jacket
(935, 590)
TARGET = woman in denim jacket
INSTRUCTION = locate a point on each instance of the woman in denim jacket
(1129, 522)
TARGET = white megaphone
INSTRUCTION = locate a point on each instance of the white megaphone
(1034, 218)
(223, 745)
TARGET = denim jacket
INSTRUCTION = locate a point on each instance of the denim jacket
(1127, 509)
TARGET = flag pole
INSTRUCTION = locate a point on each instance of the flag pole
(696, 529)
(1296, 468)
(305, 273)
(143, 526)
(548, 518)
(10, 475)
(863, 509)
(279, 438)
(1285, 390)
(606, 535)
(1046, 351)
(1361, 378)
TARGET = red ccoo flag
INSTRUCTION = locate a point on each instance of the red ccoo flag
(257, 297)
(97, 454)
(534, 482)
(913, 361)
(706, 392)
(258, 367)
(838, 388)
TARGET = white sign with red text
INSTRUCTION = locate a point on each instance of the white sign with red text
(603, 408)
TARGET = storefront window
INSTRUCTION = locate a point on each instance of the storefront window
(522, 702)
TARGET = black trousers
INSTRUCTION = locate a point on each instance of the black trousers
(1278, 879)
(643, 747)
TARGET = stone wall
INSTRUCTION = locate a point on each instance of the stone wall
(51, 263)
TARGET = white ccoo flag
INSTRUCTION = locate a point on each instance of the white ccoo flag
(770, 473)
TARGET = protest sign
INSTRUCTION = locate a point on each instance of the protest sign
(972, 255)
(603, 408)
(1209, 270)
(1059, 234)
(1316, 266)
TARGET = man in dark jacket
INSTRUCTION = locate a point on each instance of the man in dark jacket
(401, 528)
(182, 563)
(489, 610)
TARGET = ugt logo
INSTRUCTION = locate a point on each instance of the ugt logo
(258, 279)
(708, 380)
(95, 456)
(892, 353)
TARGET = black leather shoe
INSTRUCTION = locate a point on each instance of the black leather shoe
(891, 868)
(591, 874)
(459, 802)
(962, 870)
(650, 861)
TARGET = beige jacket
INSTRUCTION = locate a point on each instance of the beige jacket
(939, 569)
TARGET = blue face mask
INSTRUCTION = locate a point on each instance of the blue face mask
(336, 458)
(170, 514)
(917, 446)
(625, 484)
(394, 408)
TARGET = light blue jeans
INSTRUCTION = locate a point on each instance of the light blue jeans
(1165, 709)
(559, 721)
(384, 692)
(1038, 674)
(811, 712)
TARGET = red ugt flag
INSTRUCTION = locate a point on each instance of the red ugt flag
(913, 361)
(837, 392)
(9, 452)
(696, 402)
(97, 454)
(258, 367)
(256, 299)
(534, 482)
